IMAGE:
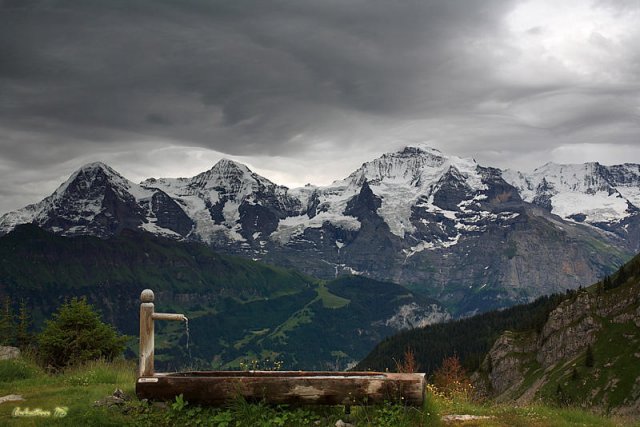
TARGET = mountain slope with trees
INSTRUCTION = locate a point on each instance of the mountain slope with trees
(586, 354)
(238, 309)
(470, 339)
(579, 348)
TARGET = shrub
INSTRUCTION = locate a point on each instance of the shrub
(452, 380)
(76, 335)
(409, 364)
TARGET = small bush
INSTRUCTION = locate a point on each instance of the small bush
(409, 364)
(452, 380)
(76, 335)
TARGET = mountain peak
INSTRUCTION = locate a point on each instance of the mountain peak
(229, 174)
(88, 173)
(416, 165)
(421, 147)
(225, 170)
(93, 168)
(225, 164)
(94, 165)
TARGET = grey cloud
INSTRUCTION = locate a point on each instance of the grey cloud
(223, 73)
(85, 78)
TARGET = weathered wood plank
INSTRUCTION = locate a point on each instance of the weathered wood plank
(319, 388)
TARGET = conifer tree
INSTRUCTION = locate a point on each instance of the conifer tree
(574, 374)
(76, 334)
(621, 277)
(7, 323)
(588, 361)
(23, 336)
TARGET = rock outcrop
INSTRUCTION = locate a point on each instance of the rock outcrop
(587, 353)
(8, 352)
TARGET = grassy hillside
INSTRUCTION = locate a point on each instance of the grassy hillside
(75, 391)
(324, 327)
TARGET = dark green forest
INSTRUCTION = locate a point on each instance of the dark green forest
(469, 338)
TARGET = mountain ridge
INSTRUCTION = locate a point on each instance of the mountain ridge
(415, 216)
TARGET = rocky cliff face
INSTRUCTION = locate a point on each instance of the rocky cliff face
(587, 353)
(571, 328)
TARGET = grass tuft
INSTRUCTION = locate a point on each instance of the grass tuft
(18, 369)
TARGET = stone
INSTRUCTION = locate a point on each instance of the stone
(118, 398)
(11, 398)
(464, 417)
(341, 423)
(7, 352)
(121, 395)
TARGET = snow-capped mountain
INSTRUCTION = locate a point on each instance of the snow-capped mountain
(229, 202)
(419, 194)
(471, 236)
(607, 197)
(97, 200)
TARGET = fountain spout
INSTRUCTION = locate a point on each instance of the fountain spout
(147, 339)
(169, 316)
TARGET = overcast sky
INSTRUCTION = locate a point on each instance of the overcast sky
(306, 91)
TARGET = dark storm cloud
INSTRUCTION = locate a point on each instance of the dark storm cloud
(306, 80)
(225, 74)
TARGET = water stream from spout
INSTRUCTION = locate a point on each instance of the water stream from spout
(186, 327)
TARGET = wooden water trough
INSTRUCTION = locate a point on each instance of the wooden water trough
(273, 387)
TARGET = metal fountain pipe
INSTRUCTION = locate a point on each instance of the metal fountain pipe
(147, 341)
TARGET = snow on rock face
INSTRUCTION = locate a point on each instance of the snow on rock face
(431, 200)
(626, 178)
(401, 179)
(230, 202)
(588, 192)
(229, 194)
(295, 226)
(97, 200)
(75, 203)
(416, 176)
(412, 315)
